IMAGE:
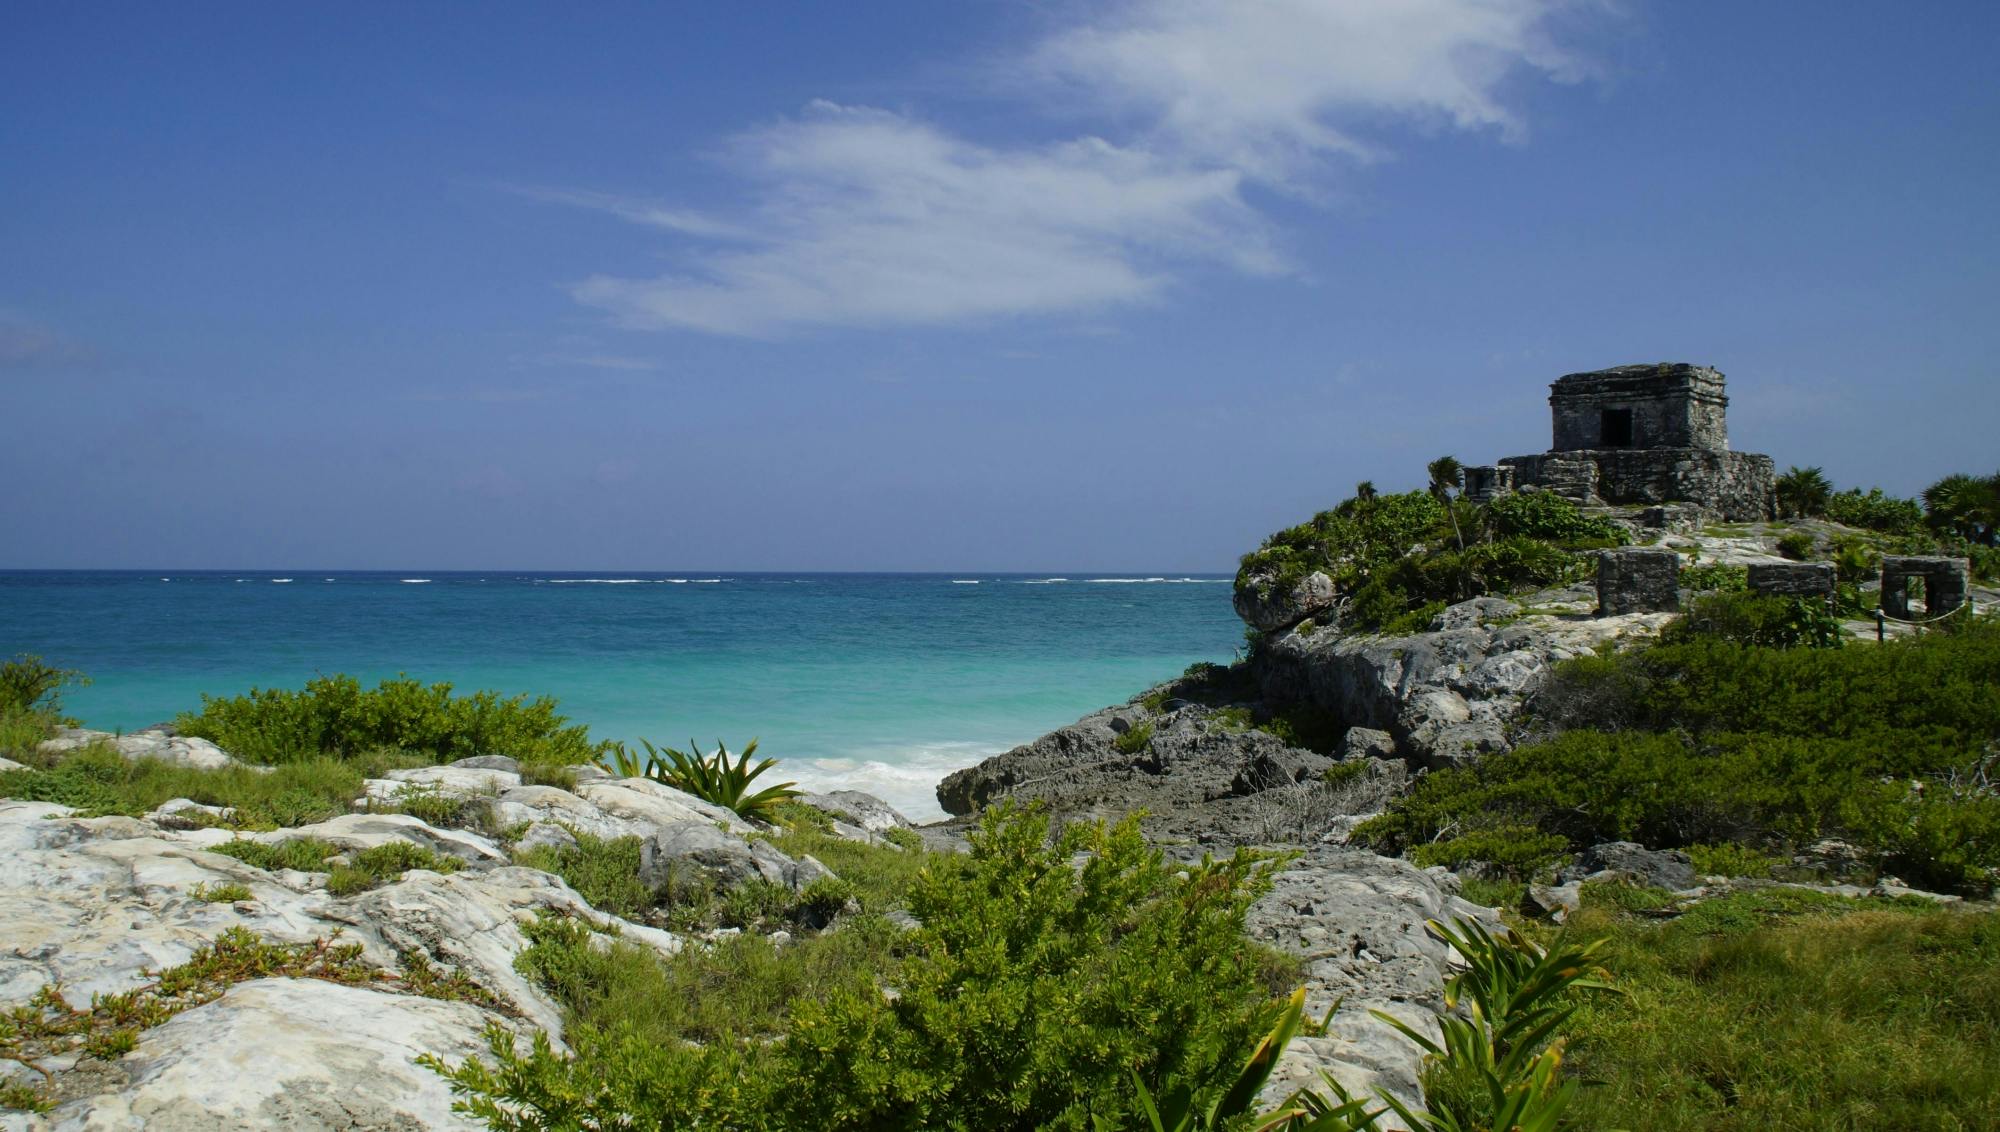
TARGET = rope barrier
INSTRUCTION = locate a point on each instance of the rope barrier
(1882, 618)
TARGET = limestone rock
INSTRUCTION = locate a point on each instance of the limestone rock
(1553, 902)
(864, 810)
(652, 804)
(705, 851)
(545, 835)
(157, 744)
(1261, 604)
(1367, 743)
(1358, 922)
(290, 1053)
(366, 831)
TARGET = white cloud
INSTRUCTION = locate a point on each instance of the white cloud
(863, 217)
(1273, 86)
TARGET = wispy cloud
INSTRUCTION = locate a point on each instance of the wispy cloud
(26, 343)
(860, 217)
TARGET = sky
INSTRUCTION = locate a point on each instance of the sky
(964, 286)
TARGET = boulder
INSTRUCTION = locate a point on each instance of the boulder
(1270, 768)
(697, 849)
(1366, 743)
(1556, 903)
(1263, 605)
(1670, 869)
(545, 835)
(651, 804)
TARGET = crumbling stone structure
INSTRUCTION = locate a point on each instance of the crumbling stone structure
(1640, 434)
(1638, 579)
(1944, 585)
(1792, 579)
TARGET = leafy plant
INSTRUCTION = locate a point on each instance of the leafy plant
(1803, 492)
(1132, 740)
(713, 778)
(1966, 507)
(27, 685)
(1796, 545)
(228, 893)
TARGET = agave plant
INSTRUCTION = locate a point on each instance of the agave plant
(713, 778)
(1176, 1111)
(622, 761)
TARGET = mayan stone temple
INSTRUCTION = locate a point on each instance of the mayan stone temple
(1640, 434)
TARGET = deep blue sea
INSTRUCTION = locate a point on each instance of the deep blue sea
(881, 682)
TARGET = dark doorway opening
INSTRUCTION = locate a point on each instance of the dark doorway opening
(1617, 428)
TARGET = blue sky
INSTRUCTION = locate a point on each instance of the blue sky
(946, 286)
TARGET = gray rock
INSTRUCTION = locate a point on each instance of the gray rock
(198, 754)
(1660, 868)
(186, 813)
(1474, 613)
(1557, 903)
(1357, 920)
(1792, 579)
(545, 835)
(1267, 769)
(291, 1053)
(696, 849)
(1261, 604)
(489, 762)
(9, 764)
(1366, 743)
(864, 810)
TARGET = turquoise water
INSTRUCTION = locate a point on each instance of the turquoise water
(880, 682)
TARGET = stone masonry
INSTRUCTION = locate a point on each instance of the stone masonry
(1638, 579)
(1648, 434)
(1792, 579)
(1944, 585)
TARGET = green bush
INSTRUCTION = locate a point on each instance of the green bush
(1796, 545)
(1132, 740)
(305, 854)
(28, 686)
(1550, 517)
(98, 781)
(604, 871)
(1756, 619)
(1874, 511)
(1030, 992)
(335, 716)
(1714, 577)
(1704, 741)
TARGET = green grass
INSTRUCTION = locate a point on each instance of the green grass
(1134, 739)
(604, 871)
(228, 893)
(1792, 1010)
(881, 877)
(97, 780)
(386, 864)
(305, 854)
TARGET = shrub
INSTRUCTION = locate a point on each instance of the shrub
(1703, 741)
(335, 716)
(1029, 993)
(1803, 493)
(1796, 545)
(98, 781)
(604, 871)
(1550, 517)
(305, 854)
(1874, 511)
(28, 686)
(1756, 619)
(1714, 577)
(1132, 740)
(220, 893)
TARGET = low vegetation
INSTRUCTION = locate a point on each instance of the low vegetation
(386, 864)
(1396, 560)
(99, 781)
(1029, 992)
(334, 716)
(713, 778)
(1812, 1012)
(1707, 739)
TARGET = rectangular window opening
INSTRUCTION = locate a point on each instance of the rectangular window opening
(1617, 428)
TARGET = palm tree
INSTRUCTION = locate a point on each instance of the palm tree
(1803, 493)
(1446, 475)
(1966, 506)
(1365, 490)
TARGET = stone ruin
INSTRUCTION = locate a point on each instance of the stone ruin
(1638, 579)
(1943, 583)
(1792, 579)
(1646, 434)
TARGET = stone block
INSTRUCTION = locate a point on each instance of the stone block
(1792, 579)
(1676, 518)
(1638, 579)
(1944, 583)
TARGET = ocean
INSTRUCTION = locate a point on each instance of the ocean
(876, 682)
